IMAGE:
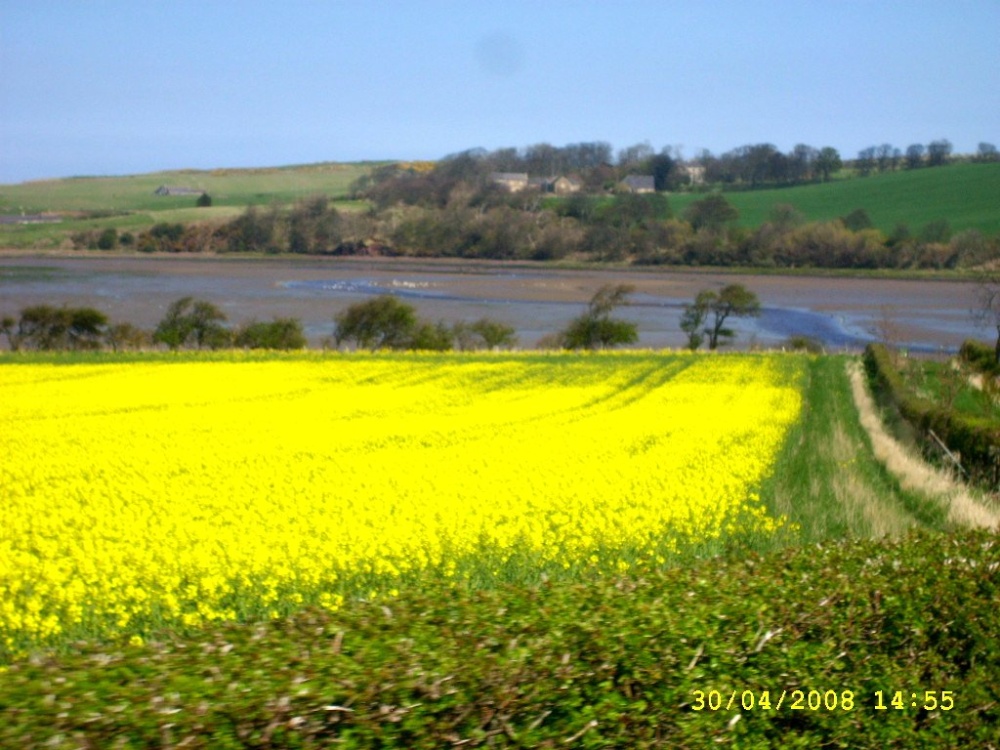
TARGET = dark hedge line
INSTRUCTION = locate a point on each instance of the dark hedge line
(977, 440)
(909, 625)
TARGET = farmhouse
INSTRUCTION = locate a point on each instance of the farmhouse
(515, 182)
(639, 183)
(695, 173)
(565, 185)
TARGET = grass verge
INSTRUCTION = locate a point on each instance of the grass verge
(827, 480)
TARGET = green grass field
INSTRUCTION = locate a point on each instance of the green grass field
(966, 195)
(228, 187)
(130, 204)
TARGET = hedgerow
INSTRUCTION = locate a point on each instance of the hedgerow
(976, 439)
(609, 662)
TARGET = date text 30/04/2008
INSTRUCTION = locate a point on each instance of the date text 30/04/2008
(820, 700)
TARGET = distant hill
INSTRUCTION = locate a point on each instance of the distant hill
(228, 187)
(966, 195)
(131, 203)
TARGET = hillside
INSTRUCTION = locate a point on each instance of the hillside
(228, 187)
(963, 194)
(130, 203)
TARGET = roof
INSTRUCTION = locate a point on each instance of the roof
(510, 176)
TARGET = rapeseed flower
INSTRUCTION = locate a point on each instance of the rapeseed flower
(147, 494)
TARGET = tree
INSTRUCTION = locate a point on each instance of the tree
(122, 336)
(204, 201)
(7, 324)
(636, 154)
(87, 327)
(938, 230)
(827, 162)
(866, 160)
(938, 152)
(251, 231)
(41, 327)
(987, 152)
(693, 320)
(382, 322)
(108, 239)
(712, 213)
(857, 220)
(280, 333)
(734, 300)
(495, 335)
(187, 319)
(630, 209)
(484, 333)
(662, 166)
(785, 216)
(432, 337)
(596, 329)
(46, 327)
(987, 314)
(914, 155)
(887, 157)
(802, 160)
(763, 162)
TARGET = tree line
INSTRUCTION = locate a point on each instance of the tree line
(381, 322)
(189, 323)
(887, 158)
(642, 229)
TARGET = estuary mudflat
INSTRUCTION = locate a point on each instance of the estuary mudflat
(926, 315)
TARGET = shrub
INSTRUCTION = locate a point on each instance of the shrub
(50, 328)
(189, 319)
(379, 323)
(280, 333)
(980, 356)
(804, 344)
(108, 239)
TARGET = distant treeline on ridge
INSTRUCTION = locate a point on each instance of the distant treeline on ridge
(583, 202)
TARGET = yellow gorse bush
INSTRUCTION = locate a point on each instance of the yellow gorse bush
(166, 492)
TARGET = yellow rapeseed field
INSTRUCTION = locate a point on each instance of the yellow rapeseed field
(171, 492)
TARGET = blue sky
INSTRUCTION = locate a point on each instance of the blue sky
(129, 86)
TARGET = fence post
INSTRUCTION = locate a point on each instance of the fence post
(954, 459)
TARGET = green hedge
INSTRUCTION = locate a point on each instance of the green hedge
(976, 439)
(608, 663)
